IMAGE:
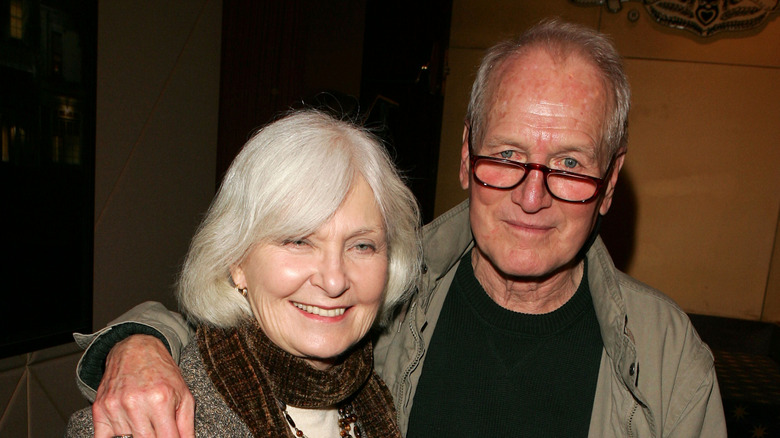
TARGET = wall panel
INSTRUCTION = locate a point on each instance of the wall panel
(702, 160)
(697, 205)
(157, 96)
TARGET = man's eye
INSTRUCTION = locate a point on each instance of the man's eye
(506, 154)
(570, 163)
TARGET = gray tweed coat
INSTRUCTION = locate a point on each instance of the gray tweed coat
(213, 417)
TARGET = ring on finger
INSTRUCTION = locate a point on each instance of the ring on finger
(127, 435)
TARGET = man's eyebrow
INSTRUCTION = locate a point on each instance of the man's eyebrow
(590, 151)
(502, 141)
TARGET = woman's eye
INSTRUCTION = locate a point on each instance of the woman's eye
(365, 247)
(295, 242)
(570, 163)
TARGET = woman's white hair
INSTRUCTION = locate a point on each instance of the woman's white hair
(287, 181)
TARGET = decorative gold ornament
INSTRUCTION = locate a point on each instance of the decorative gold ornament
(703, 17)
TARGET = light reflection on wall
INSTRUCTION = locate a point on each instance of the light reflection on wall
(41, 87)
(66, 135)
(17, 18)
(13, 140)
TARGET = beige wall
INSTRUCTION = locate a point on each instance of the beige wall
(701, 181)
(157, 101)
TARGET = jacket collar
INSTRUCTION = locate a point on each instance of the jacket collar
(612, 315)
(445, 241)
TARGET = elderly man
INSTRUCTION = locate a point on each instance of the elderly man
(522, 325)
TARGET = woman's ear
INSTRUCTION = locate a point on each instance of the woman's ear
(237, 274)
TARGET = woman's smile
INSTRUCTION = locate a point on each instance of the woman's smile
(319, 311)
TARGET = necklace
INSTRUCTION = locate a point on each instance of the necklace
(347, 421)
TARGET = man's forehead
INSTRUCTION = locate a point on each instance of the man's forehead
(538, 70)
(543, 92)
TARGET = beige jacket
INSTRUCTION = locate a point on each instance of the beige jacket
(656, 379)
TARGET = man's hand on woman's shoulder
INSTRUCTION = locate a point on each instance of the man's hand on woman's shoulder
(143, 393)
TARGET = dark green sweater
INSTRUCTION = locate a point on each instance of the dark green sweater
(493, 372)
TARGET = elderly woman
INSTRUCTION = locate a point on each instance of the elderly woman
(311, 236)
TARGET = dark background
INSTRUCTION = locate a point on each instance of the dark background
(47, 117)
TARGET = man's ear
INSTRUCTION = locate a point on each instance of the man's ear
(609, 193)
(465, 172)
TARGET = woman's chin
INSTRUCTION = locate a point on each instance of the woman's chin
(327, 357)
(321, 364)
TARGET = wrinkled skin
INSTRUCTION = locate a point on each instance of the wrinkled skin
(142, 393)
(338, 273)
(550, 112)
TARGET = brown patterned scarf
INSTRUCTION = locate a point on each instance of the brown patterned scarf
(251, 372)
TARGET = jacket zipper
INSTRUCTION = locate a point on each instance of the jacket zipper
(631, 419)
(413, 364)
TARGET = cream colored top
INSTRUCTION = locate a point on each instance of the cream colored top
(317, 423)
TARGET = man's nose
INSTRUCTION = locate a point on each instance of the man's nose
(331, 275)
(532, 195)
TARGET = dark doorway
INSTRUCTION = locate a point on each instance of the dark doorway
(404, 55)
(274, 59)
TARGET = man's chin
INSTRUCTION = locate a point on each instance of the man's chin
(530, 265)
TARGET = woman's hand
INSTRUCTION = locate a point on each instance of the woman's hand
(143, 393)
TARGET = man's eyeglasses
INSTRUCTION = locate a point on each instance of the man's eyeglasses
(504, 174)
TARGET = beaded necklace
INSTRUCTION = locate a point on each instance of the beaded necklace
(347, 420)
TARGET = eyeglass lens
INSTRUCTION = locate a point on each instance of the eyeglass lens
(504, 175)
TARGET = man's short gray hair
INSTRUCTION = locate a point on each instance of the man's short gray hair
(561, 40)
(287, 181)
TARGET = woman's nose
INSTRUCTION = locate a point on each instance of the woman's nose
(331, 274)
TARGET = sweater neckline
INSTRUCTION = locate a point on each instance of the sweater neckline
(466, 283)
